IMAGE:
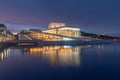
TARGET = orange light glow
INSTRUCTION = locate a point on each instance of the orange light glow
(56, 25)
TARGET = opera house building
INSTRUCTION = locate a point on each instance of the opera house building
(55, 32)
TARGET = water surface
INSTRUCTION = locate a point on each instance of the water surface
(88, 62)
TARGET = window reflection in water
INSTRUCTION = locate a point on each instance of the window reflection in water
(4, 53)
(58, 55)
(55, 55)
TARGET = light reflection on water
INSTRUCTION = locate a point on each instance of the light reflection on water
(55, 55)
(88, 62)
(5, 53)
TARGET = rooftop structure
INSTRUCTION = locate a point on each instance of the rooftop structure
(56, 25)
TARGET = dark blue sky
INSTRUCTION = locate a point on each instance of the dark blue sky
(102, 16)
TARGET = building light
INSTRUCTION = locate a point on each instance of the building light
(67, 39)
(67, 46)
(56, 25)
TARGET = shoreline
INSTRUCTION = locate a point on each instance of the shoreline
(55, 43)
(77, 42)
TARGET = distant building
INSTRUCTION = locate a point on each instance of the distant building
(5, 34)
(3, 29)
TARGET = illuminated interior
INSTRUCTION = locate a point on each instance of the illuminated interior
(65, 31)
(45, 37)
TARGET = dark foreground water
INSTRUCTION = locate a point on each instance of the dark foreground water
(91, 62)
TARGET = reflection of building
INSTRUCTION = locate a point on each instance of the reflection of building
(56, 32)
(58, 55)
(4, 53)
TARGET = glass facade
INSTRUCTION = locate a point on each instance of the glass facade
(56, 34)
